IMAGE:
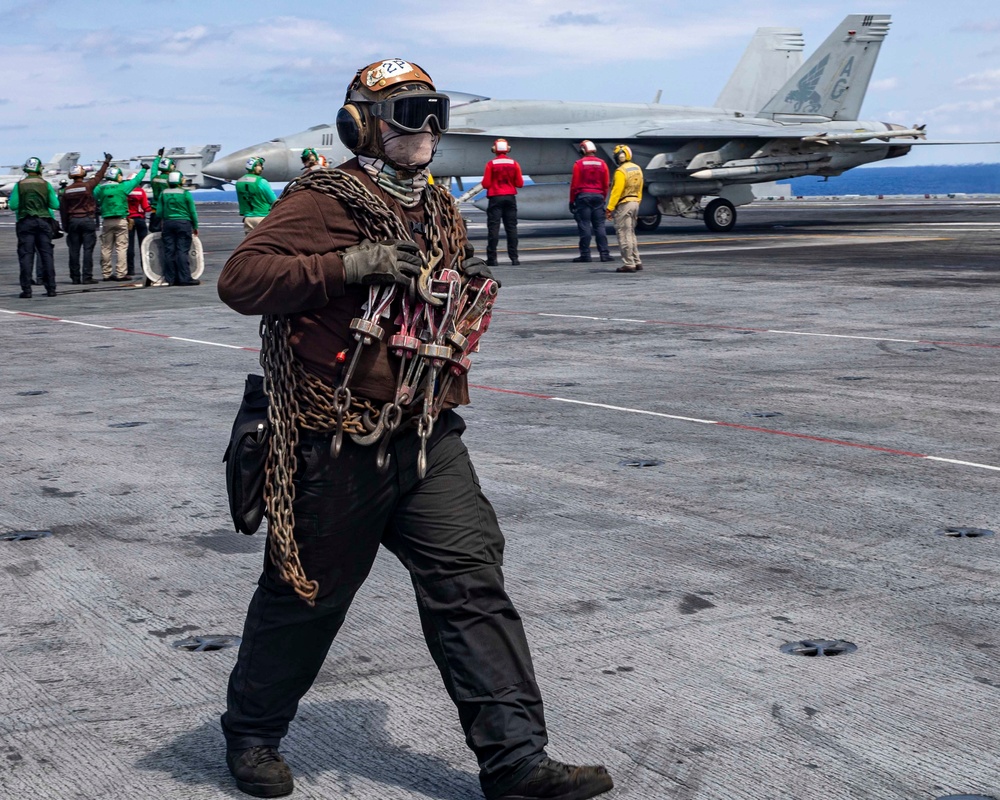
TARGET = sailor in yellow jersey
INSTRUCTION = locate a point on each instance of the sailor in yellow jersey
(623, 206)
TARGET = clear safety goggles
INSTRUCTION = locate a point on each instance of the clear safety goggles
(411, 112)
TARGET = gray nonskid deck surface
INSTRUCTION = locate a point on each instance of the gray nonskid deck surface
(655, 598)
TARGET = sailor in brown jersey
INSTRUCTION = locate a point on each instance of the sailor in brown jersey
(79, 218)
(347, 256)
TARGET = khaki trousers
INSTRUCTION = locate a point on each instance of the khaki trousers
(249, 223)
(625, 216)
(114, 237)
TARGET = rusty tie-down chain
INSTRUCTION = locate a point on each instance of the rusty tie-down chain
(279, 492)
(298, 399)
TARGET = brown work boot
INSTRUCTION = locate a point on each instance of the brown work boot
(553, 780)
(261, 771)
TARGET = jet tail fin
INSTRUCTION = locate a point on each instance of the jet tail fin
(61, 162)
(191, 161)
(771, 58)
(833, 82)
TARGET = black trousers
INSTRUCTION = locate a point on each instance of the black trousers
(136, 233)
(590, 218)
(176, 249)
(502, 208)
(446, 534)
(81, 237)
(34, 236)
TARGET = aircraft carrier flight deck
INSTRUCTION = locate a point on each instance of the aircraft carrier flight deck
(749, 495)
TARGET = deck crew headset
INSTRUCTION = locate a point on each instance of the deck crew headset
(587, 147)
(501, 147)
(33, 165)
(623, 153)
(399, 93)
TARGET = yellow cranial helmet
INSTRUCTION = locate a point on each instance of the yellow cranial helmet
(623, 153)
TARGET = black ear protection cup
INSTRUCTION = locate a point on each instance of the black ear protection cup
(353, 128)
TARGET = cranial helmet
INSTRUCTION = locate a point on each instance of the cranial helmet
(322, 161)
(623, 153)
(253, 162)
(587, 147)
(175, 178)
(113, 174)
(33, 164)
(501, 147)
(167, 165)
(309, 153)
(79, 171)
(397, 92)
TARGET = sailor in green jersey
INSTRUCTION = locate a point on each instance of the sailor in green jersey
(112, 196)
(255, 194)
(32, 201)
(180, 222)
(162, 167)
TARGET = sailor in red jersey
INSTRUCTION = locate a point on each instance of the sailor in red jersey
(501, 180)
(138, 208)
(586, 200)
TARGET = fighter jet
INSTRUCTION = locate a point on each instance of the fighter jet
(699, 162)
(189, 160)
(57, 168)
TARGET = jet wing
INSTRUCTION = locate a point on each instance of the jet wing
(623, 130)
(729, 128)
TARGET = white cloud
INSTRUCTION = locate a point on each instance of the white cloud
(980, 26)
(991, 106)
(985, 81)
(549, 34)
(884, 84)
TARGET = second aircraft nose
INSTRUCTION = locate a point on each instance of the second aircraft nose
(234, 166)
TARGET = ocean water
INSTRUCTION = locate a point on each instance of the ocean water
(939, 180)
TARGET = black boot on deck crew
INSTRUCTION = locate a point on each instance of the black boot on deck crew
(553, 780)
(261, 771)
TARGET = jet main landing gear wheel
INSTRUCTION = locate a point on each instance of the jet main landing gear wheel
(648, 223)
(720, 215)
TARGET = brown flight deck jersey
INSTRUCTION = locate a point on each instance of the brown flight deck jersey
(78, 201)
(290, 264)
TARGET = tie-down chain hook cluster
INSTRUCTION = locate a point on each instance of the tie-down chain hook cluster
(432, 342)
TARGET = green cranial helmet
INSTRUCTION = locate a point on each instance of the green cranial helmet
(175, 178)
(309, 153)
(33, 164)
(167, 165)
(113, 174)
(253, 162)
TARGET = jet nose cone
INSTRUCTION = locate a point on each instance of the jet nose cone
(234, 166)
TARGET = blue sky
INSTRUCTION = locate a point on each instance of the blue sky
(130, 77)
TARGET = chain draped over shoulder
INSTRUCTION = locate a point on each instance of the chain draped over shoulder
(430, 343)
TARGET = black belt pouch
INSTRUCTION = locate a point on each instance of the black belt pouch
(246, 458)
